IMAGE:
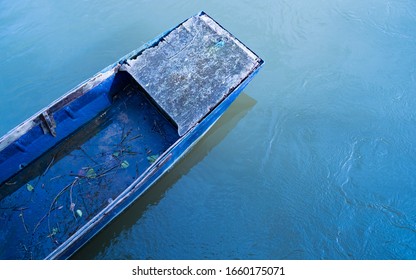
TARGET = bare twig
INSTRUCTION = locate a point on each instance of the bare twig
(135, 137)
(46, 170)
(51, 208)
(124, 136)
(49, 166)
(72, 206)
(23, 220)
(40, 221)
(56, 177)
(88, 156)
(104, 173)
(15, 208)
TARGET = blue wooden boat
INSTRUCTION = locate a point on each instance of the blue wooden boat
(73, 167)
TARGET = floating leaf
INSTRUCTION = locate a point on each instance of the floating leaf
(116, 154)
(152, 158)
(54, 232)
(124, 164)
(29, 187)
(79, 213)
(91, 173)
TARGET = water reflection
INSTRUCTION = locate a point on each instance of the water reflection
(241, 106)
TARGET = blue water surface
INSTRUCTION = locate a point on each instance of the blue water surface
(315, 160)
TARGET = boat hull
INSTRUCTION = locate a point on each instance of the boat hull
(73, 167)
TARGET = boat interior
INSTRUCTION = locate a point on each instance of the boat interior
(113, 133)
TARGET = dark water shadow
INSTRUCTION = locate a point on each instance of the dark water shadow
(238, 109)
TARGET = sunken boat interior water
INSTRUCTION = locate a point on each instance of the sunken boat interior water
(54, 195)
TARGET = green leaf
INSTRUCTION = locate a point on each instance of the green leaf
(152, 158)
(124, 164)
(79, 213)
(54, 231)
(29, 187)
(116, 154)
(91, 173)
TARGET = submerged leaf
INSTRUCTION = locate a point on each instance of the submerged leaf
(79, 213)
(54, 232)
(29, 187)
(91, 173)
(152, 158)
(124, 164)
